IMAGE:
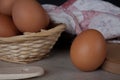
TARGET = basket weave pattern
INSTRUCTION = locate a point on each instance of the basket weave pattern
(30, 46)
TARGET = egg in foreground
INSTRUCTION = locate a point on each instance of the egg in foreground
(88, 50)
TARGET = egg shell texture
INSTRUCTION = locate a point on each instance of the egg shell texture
(6, 6)
(29, 16)
(88, 50)
(7, 27)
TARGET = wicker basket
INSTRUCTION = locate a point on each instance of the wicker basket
(30, 46)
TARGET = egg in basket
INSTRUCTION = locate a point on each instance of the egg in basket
(26, 34)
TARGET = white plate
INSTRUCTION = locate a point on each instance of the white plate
(9, 73)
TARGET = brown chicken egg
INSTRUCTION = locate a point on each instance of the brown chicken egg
(88, 50)
(29, 16)
(7, 27)
(6, 6)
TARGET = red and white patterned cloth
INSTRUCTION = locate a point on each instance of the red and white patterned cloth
(80, 15)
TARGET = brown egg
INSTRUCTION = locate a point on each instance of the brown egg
(88, 50)
(29, 16)
(6, 6)
(7, 27)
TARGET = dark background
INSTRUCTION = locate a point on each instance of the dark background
(55, 2)
(59, 2)
(115, 2)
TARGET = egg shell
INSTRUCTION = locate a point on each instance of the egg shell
(7, 27)
(29, 16)
(88, 50)
(6, 6)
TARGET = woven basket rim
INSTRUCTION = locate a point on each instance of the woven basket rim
(42, 33)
